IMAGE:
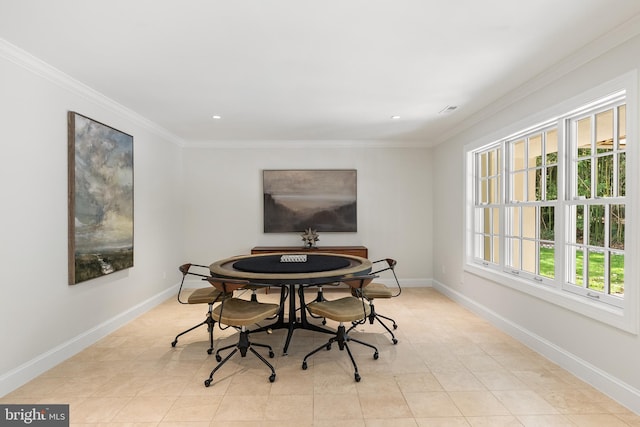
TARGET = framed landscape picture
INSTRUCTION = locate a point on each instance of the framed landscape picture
(100, 199)
(320, 199)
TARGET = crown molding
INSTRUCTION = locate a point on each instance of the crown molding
(305, 144)
(40, 68)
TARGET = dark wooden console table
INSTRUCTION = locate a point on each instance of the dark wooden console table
(360, 251)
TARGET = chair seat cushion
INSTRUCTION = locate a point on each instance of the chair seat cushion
(204, 296)
(239, 312)
(376, 290)
(347, 309)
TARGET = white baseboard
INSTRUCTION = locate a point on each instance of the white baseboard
(613, 387)
(34, 367)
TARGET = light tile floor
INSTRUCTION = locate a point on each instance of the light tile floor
(450, 368)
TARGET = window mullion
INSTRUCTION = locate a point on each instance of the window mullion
(561, 210)
(504, 170)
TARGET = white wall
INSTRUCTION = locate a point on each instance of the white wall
(603, 355)
(42, 319)
(223, 200)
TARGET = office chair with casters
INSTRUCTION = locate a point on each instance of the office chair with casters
(240, 313)
(347, 309)
(379, 290)
(205, 295)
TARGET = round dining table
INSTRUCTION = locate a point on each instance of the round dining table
(290, 271)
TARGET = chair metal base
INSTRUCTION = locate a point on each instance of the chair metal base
(243, 345)
(373, 316)
(210, 324)
(342, 338)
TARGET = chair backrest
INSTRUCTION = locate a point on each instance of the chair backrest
(390, 264)
(185, 269)
(358, 282)
(227, 285)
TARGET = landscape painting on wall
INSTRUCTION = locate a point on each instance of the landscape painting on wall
(323, 200)
(100, 199)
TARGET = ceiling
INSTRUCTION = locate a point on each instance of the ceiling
(332, 70)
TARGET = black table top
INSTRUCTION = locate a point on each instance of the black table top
(273, 264)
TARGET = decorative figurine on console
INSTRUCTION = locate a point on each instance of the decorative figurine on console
(310, 237)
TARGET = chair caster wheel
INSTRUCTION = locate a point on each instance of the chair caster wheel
(210, 351)
(395, 326)
(395, 341)
(375, 356)
(271, 354)
(207, 382)
(304, 366)
(218, 358)
(173, 344)
(357, 377)
(272, 378)
(328, 347)
(324, 322)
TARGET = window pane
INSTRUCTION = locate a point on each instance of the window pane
(514, 253)
(494, 162)
(487, 248)
(579, 264)
(596, 270)
(496, 220)
(616, 277)
(622, 127)
(551, 147)
(496, 250)
(547, 261)
(604, 175)
(493, 190)
(584, 178)
(535, 151)
(596, 225)
(518, 187)
(529, 222)
(552, 183)
(534, 185)
(622, 174)
(484, 192)
(518, 155)
(616, 226)
(478, 250)
(483, 165)
(604, 131)
(529, 256)
(487, 221)
(514, 220)
(579, 212)
(547, 227)
(584, 137)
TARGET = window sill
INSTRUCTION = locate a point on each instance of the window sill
(620, 318)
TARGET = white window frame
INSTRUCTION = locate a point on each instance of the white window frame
(623, 315)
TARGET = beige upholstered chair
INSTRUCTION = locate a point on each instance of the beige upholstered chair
(240, 313)
(206, 295)
(379, 290)
(352, 309)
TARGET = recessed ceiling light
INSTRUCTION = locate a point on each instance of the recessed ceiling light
(216, 117)
(395, 117)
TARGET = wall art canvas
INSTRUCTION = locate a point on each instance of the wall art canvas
(100, 199)
(323, 200)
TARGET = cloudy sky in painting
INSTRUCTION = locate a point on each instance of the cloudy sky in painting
(103, 186)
